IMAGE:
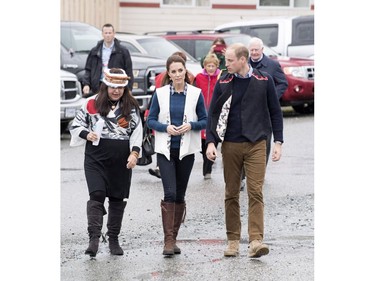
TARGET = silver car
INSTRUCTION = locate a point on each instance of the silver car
(158, 47)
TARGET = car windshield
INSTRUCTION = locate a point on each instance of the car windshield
(132, 49)
(161, 48)
(270, 52)
(237, 39)
(246, 41)
(79, 38)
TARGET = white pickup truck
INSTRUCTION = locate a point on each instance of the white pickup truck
(70, 98)
(288, 36)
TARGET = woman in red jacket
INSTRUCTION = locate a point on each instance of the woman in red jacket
(206, 81)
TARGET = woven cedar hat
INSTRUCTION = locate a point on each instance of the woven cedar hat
(115, 80)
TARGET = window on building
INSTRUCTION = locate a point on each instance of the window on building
(284, 3)
(189, 3)
(301, 3)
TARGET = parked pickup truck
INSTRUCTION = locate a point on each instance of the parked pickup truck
(70, 98)
(77, 39)
(291, 36)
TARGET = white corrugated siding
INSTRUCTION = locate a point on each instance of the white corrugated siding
(140, 19)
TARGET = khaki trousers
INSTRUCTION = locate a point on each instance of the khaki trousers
(251, 156)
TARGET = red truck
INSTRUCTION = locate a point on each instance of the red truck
(299, 71)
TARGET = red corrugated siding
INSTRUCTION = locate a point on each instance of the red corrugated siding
(140, 5)
(230, 6)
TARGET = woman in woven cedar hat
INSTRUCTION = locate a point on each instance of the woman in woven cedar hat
(110, 125)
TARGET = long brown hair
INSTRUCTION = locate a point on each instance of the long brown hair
(170, 60)
(127, 102)
(218, 40)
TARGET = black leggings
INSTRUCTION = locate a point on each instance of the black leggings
(100, 196)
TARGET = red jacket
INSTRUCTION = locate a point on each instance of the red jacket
(207, 84)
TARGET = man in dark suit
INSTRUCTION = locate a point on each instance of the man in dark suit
(108, 53)
(260, 61)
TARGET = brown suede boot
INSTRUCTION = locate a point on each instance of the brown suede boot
(179, 217)
(232, 248)
(258, 249)
(95, 212)
(167, 214)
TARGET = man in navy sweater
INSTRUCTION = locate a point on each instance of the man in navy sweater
(244, 110)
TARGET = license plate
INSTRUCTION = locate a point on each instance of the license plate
(70, 112)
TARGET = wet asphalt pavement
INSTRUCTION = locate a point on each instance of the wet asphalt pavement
(289, 221)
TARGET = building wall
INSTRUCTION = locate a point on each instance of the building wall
(140, 16)
(94, 12)
(148, 15)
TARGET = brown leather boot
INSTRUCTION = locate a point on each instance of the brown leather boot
(179, 217)
(167, 214)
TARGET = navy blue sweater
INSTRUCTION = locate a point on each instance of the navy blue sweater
(254, 113)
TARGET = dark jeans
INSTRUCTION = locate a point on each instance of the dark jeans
(175, 174)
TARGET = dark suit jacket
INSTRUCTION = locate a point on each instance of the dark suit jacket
(273, 68)
(120, 58)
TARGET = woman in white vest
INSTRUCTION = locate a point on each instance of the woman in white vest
(177, 115)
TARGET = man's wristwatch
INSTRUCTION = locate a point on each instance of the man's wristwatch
(279, 142)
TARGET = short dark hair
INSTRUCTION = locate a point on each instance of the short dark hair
(108, 25)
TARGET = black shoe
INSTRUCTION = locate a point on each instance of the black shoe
(154, 172)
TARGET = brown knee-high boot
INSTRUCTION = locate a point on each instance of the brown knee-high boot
(167, 214)
(95, 212)
(179, 217)
(115, 215)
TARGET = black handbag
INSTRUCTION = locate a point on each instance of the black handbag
(148, 143)
(144, 160)
(148, 147)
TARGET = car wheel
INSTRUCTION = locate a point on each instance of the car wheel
(304, 108)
